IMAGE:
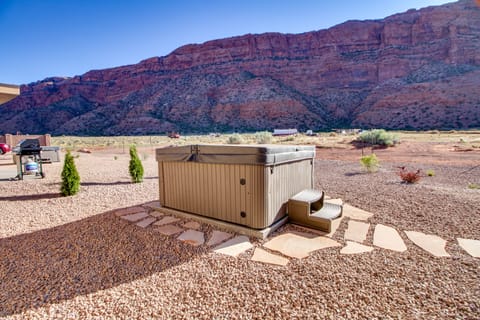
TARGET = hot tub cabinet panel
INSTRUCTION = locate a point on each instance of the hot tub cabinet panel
(246, 185)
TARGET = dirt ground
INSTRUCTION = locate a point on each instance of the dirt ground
(72, 258)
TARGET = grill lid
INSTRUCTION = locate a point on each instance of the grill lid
(28, 146)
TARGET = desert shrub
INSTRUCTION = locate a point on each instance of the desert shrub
(378, 137)
(70, 177)
(135, 166)
(370, 162)
(290, 138)
(473, 186)
(115, 157)
(263, 137)
(409, 176)
(235, 139)
(430, 173)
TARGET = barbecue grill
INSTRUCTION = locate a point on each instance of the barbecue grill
(28, 154)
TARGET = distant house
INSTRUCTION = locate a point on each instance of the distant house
(284, 132)
(347, 131)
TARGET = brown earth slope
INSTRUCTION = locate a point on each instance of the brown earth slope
(415, 70)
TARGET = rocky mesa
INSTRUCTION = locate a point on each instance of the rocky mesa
(414, 70)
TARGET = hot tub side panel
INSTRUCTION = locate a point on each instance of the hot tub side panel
(282, 182)
(229, 192)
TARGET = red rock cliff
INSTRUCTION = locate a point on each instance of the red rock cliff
(419, 70)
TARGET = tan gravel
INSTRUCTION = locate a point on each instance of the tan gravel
(74, 258)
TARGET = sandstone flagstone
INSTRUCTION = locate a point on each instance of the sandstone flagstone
(388, 238)
(471, 246)
(192, 225)
(356, 213)
(146, 222)
(168, 229)
(127, 211)
(218, 237)
(157, 214)
(166, 220)
(234, 247)
(355, 248)
(429, 242)
(356, 231)
(193, 237)
(264, 256)
(335, 201)
(298, 245)
(136, 216)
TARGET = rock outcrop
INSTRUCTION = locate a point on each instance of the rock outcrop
(415, 70)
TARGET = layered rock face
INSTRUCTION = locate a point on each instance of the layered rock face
(415, 70)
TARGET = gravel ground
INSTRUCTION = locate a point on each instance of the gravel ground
(73, 258)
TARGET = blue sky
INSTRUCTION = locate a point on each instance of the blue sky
(43, 38)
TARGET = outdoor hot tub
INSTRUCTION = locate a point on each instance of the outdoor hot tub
(248, 185)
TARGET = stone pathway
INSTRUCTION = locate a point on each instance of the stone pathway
(136, 216)
(388, 238)
(357, 231)
(297, 245)
(353, 248)
(472, 247)
(428, 242)
(146, 222)
(218, 237)
(293, 244)
(166, 220)
(193, 237)
(169, 229)
(235, 246)
(264, 256)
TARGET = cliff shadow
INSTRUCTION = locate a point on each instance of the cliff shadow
(97, 253)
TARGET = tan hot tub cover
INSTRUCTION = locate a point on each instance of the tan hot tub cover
(244, 184)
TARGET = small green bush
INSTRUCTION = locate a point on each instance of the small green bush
(235, 139)
(70, 177)
(370, 162)
(378, 137)
(135, 166)
(473, 186)
(263, 137)
(430, 173)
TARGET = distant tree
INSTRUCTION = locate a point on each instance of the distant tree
(135, 167)
(70, 177)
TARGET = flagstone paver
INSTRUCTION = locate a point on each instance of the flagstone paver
(192, 225)
(356, 231)
(193, 237)
(218, 237)
(429, 242)
(471, 246)
(388, 238)
(166, 220)
(136, 216)
(168, 229)
(157, 214)
(146, 222)
(264, 256)
(235, 246)
(356, 213)
(354, 248)
(335, 201)
(127, 211)
(297, 245)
